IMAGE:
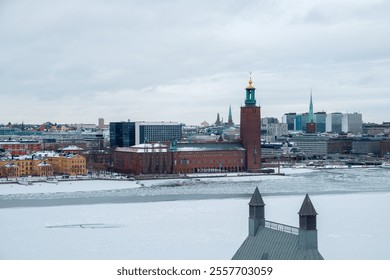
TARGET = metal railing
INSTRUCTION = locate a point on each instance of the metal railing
(282, 227)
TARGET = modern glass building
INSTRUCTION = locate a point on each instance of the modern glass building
(289, 119)
(334, 122)
(301, 122)
(320, 121)
(122, 134)
(157, 131)
(127, 134)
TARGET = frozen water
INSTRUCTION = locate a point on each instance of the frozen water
(353, 205)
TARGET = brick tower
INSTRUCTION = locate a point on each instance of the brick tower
(250, 130)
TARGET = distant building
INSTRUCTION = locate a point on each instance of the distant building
(311, 144)
(122, 134)
(366, 145)
(311, 120)
(320, 122)
(127, 134)
(272, 129)
(158, 158)
(25, 166)
(43, 164)
(373, 129)
(340, 145)
(273, 241)
(101, 123)
(385, 148)
(71, 164)
(289, 119)
(352, 123)
(20, 147)
(334, 122)
(300, 122)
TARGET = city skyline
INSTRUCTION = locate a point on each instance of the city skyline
(77, 61)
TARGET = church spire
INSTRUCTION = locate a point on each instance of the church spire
(218, 121)
(230, 118)
(311, 112)
(311, 122)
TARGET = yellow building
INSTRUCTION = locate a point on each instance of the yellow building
(25, 167)
(45, 166)
(69, 164)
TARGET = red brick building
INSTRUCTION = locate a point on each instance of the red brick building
(250, 130)
(20, 148)
(182, 158)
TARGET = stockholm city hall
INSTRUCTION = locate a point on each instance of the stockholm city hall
(186, 157)
(250, 129)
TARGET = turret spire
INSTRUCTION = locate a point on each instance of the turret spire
(256, 212)
(307, 225)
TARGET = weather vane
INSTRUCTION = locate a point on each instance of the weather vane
(250, 75)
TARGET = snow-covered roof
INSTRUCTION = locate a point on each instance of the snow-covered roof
(72, 148)
(198, 147)
(43, 163)
(145, 148)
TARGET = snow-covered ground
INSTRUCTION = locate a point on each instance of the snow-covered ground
(353, 209)
(66, 186)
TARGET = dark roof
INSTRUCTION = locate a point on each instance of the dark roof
(307, 208)
(256, 199)
(274, 244)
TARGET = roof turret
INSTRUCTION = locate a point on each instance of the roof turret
(307, 208)
(256, 199)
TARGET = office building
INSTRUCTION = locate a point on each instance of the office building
(334, 122)
(127, 134)
(352, 123)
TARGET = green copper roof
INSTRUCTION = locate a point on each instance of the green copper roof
(311, 111)
(250, 99)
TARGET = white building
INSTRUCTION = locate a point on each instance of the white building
(352, 123)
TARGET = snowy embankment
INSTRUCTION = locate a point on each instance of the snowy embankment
(107, 185)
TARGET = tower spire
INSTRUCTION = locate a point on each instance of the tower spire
(311, 122)
(250, 93)
(311, 111)
(230, 117)
(218, 121)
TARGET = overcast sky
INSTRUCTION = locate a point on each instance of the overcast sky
(75, 61)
